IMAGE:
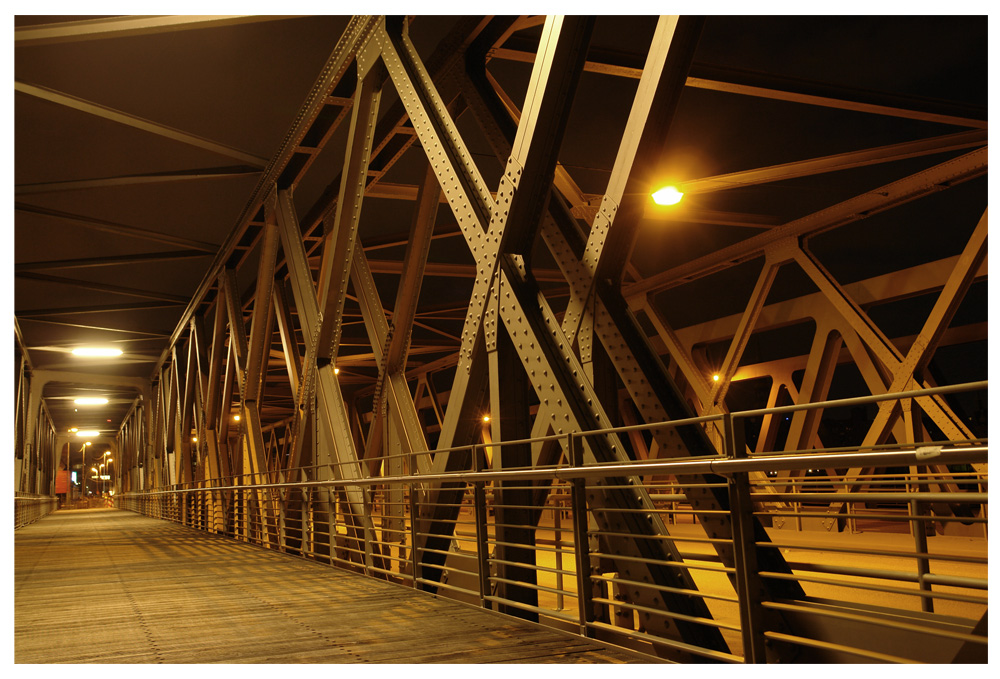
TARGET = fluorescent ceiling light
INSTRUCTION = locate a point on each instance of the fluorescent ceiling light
(89, 401)
(88, 433)
(96, 351)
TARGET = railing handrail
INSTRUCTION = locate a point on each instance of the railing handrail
(716, 465)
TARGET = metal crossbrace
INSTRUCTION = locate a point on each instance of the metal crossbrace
(521, 316)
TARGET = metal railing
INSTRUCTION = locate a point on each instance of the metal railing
(897, 545)
(29, 508)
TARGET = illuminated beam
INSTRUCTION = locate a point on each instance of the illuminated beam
(949, 173)
(840, 161)
(130, 120)
(120, 27)
(132, 179)
(100, 309)
(95, 327)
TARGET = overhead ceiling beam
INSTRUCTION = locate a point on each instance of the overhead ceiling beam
(143, 124)
(120, 229)
(133, 179)
(126, 26)
(933, 179)
(109, 261)
(100, 309)
(95, 327)
(786, 91)
(455, 270)
(101, 287)
(840, 161)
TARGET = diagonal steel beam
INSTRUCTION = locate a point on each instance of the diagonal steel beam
(931, 180)
(339, 242)
(130, 120)
(340, 460)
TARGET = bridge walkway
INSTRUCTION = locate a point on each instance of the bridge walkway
(110, 586)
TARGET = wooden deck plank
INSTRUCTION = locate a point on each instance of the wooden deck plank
(108, 586)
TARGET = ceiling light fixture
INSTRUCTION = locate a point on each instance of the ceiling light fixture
(91, 401)
(715, 378)
(73, 430)
(668, 195)
(88, 433)
(486, 418)
(105, 352)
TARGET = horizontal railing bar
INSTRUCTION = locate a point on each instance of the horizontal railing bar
(882, 622)
(721, 466)
(664, 588)
(927, 594)
(886, 496)
(902, 576)
(673, 564)
(669, 643)
(707, 622)
(548, 612)
(828, 646)
(934, 556)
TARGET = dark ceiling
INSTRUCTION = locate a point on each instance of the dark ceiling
(136, 155)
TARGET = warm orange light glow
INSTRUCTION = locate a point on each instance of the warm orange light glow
(668, 195)
(106, 352)
(486, 418)
(74, 430)
(236, 418)
(87, 443)
(336, 371)
(194, 439)
(715, 378)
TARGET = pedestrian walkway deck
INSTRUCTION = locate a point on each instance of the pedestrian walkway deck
(109, 586)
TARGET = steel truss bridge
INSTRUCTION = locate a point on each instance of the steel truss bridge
(537, 436)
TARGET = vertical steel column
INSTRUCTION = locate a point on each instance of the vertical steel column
(919, 529)
(581, 537)
(749, 587)
(482, 531)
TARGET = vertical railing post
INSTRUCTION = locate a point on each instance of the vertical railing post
(923, 561)
(581, 538)
(479, 513)
(282, 495)
(749, 588)
(367, 527)
(414, 561)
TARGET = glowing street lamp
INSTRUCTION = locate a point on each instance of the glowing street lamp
(668, 195)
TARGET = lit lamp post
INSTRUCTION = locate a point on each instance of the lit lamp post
(108, 462)
(83, 470)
